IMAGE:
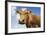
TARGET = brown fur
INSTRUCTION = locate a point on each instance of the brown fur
(29, 19)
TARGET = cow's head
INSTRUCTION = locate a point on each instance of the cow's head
(23, 15)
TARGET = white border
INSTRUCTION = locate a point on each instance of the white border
(10, 30)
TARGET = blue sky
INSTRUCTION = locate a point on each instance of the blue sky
(35, 10)
(14, 20)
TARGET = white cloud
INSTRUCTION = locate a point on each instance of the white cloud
(18, 16)
(23, 9)
(13, 11)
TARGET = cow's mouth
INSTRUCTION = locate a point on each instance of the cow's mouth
(21, 22)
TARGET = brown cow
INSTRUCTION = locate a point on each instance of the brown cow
(28, 18)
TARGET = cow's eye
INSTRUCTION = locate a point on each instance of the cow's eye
(23, 20)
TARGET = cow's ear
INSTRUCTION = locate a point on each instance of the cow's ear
(17, 11)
